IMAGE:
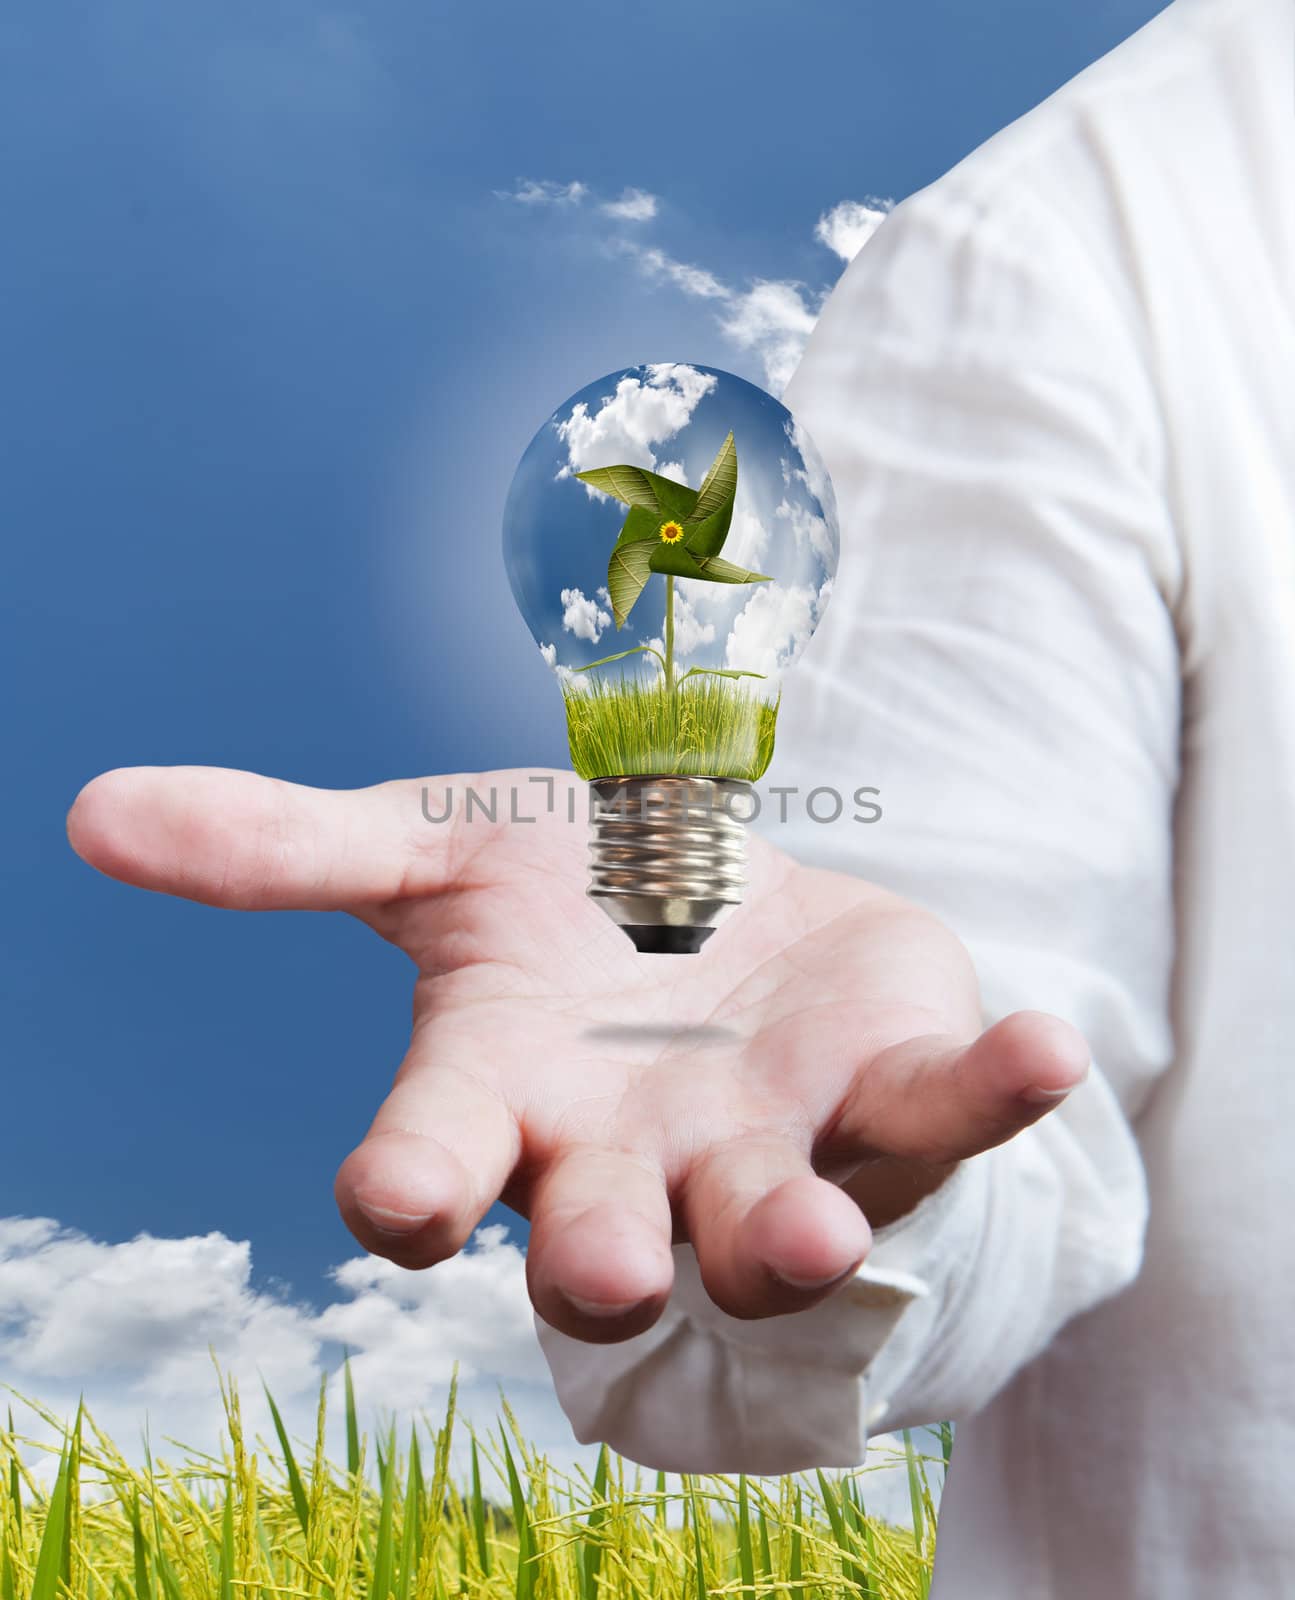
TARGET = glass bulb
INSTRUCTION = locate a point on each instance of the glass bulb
(670, 537)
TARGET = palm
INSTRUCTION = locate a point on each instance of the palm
(619, 1100)
(593, 1043)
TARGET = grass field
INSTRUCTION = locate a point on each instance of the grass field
(272, 1518)
(707, 726)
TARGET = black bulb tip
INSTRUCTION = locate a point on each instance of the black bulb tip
(656, 939)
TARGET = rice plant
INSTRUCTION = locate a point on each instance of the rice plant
(705, 727)
(628, 728)
(270, 1518)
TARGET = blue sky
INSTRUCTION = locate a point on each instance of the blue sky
(287, 290)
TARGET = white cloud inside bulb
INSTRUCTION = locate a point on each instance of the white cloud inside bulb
(584, 617)
(774, 626)
(807, 528)
(576, 682)
(812, 472)
(690, 632)
(748, 539)
(628, 424)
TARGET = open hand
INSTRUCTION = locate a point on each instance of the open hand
(821, 1058)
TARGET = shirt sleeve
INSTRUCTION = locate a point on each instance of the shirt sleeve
(1000, 664)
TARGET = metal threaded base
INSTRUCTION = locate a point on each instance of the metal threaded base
(669, 857)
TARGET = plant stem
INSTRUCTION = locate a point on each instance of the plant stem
(669, 634)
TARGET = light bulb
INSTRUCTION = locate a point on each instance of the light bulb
(670, 537)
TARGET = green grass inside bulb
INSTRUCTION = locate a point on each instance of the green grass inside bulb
(708, 727)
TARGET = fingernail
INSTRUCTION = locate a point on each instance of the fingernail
(1036, 1095)
(806, 1285)
(395, 1224)
(601, 1308)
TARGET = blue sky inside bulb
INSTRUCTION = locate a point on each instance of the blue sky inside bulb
(671, 418)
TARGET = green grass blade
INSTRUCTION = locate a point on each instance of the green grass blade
(522, 1525)
(766, 1553)
(479, 1514)
(701, 1590)
(301, 1503)
(914, 1489)
(411, 1541)
(384, 1552)
(73, 1497)
(833, 1509)
(165, 1571)
(352, 1423)
(15, 1481)
(591, 1550)
(745, 1549)
(139, 1552)
(796, 1555)
(50, 1557)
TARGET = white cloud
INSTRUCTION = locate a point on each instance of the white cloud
(808, 529)
(410, 1328)
(544, 192)
(583, 617)
(634, 205)
(770, 319)
(577, 682)
(690, 632)
(748, 540)
(774, 626)
(134, 1325)
(813, 472)
(848, 226)
(672, 469)
(695, 281)
(773, 320)
(637, 416)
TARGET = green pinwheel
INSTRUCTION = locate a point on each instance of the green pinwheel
(674, 530)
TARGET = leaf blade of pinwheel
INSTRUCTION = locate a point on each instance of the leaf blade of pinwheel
(640, 525)
(679, 562)
(627, 484)
(636, 486)
(628, 570)
(719, 484)
(707, 538)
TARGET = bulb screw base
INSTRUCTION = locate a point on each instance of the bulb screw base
(668, 857)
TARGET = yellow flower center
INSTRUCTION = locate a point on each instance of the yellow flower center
(671, 532)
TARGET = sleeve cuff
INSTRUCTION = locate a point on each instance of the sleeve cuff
(705, 1392)
(916, 1244)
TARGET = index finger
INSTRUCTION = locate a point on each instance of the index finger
(235, 839)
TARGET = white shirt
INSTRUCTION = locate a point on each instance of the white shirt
(1056, 395)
